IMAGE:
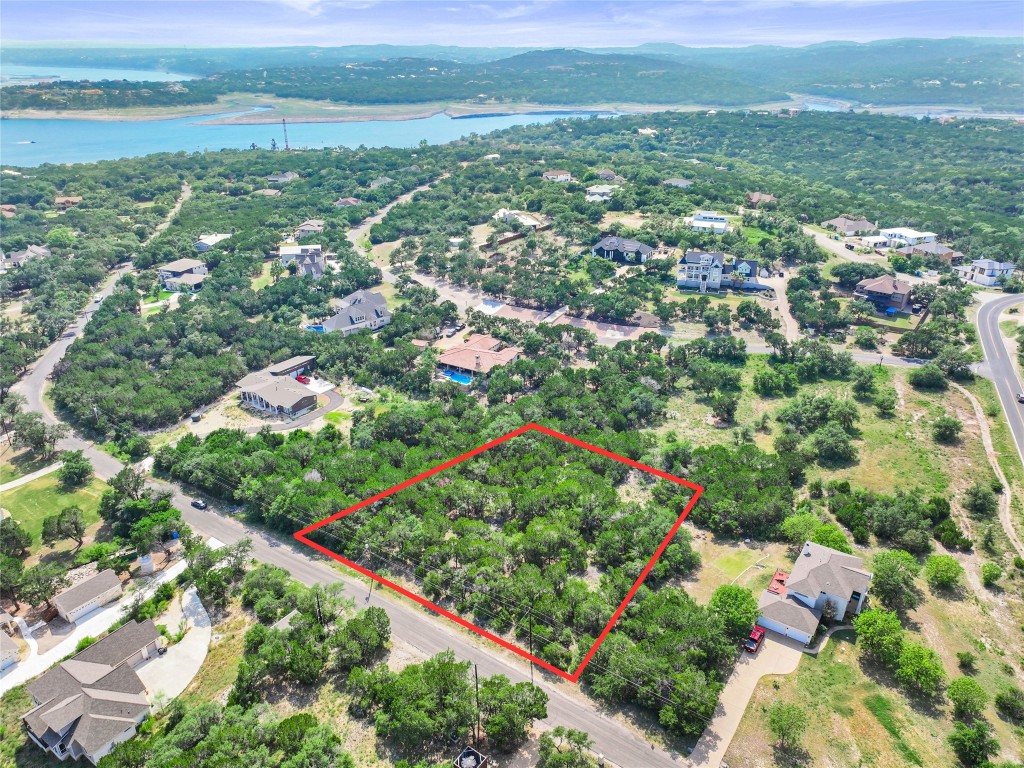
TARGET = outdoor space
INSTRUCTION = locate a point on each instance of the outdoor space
(31, 502)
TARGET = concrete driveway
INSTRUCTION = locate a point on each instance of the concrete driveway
(168, 675)
(778, 656)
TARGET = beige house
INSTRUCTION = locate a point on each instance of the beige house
(183, 275)
(87, 596)
(277, 394)
(479, 354)
(93, 701)
(9, 652)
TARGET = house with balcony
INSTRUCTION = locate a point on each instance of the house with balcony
(184, 275)
(898, 237)
(822, 582)
(622, 250)
(884, 292)
(708, 221)
(987, 272)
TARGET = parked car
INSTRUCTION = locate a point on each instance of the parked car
(1020, 397)
(199, 504)
(302, 379)
(754, 640)
(451, 332)
(849, 246)
(460, 326)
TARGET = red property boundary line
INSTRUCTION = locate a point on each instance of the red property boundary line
(571, 677)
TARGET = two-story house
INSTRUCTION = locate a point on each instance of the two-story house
(310, 227)
(708, 221)
(701, 271)
(822, 582)
(897, 237)
(987, 271)
(183, 275)
(622, 250)
(359, 311)
(563, 177)
(884, 292)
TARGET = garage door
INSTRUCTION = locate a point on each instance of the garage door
(783, 629)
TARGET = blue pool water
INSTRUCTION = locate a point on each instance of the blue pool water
(317, 328)
(458, 378)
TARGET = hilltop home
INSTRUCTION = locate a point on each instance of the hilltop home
(346, 202)
(277, 394)
(897, 237)
(183, 275)
(885, 291)
(206, 242)
(307, 260)
(704, 271)
(528, 220)
(622, 250)
(88, 595)
(757, 199)
(479, 354)
(282, 178)
(849, 226)
(18, 259)
(794, 602)
(708, 221)
(987, 272)
(95, 700)
(600, 192)
(942, 252)
(381, 181)
(310, 227)
(679, 183)
(359, 311)
(562, 177)
(62, 203)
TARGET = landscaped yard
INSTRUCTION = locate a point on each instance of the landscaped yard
(15, 464)
(30, 503)
(264, 279)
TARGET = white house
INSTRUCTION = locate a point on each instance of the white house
(703, 271)
(310, 227)
(182, 275)
(708, 221)
(206, 242)
(601, 192)
(897, 237)
(986, 271)
(794, 603)
(87, 596)
(528, 220)
(563, 177)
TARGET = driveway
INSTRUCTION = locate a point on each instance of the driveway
(778, 656)
(93, 625)
(165, 677)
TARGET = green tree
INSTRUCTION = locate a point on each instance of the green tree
(968, 697)
(920, 669)
(60, 237)
(75, 469)
(41, 582)
(831, 535)
(69, 523)
(893, 582)
(724, 405)
(787, 722)
(508, 710)
(943, 571)
(737, 608)
(799, 528)
(1010, 704)
(563, 747)
(880, 634)
(973, 744)
(14, 540)
(11, 574)
(928, 376)
(832, 443)
(885, 402)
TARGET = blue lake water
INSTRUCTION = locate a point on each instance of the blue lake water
(33, 73)
(34, 142)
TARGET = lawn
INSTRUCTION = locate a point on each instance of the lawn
(853, 720)
(264, 279)
(15, 747)
(15, 464)
(30, 503)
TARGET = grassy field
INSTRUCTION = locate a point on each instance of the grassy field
(264, 279)
(855, 718)
(30, 503)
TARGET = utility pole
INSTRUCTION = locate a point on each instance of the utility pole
(284, 125)
(531, 646)
(476, 678)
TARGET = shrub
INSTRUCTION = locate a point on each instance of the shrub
(947, 429)
(1010, 704)
(920, 669)
(928, 376)
(966, 660)
(990, 574)
(973, 744)
(942, 571)
(968, 697)
(980, 501)
(831, 535)
(84, 643)
(833, 444)
(881, 635)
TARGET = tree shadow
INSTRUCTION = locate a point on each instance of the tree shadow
(792, 755)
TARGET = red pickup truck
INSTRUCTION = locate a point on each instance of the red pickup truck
(753, 642)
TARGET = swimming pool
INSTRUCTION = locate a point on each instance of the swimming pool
(459, 378)
(315, 328)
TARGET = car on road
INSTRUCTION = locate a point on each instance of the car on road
(754, 640)
(199, 504)
(1020, 397)
(451, 332)
(302, 379)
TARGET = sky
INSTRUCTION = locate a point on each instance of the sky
(525, 23)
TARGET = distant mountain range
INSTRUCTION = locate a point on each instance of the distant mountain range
(978, 72)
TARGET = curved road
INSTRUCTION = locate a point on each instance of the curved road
(999, 366)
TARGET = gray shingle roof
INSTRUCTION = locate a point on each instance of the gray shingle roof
(821, 569)
(366, 303)
(613, 243)
(80, 594)
(787, 610)
(695, 257)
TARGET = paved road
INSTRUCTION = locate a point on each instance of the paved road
(999, 366)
